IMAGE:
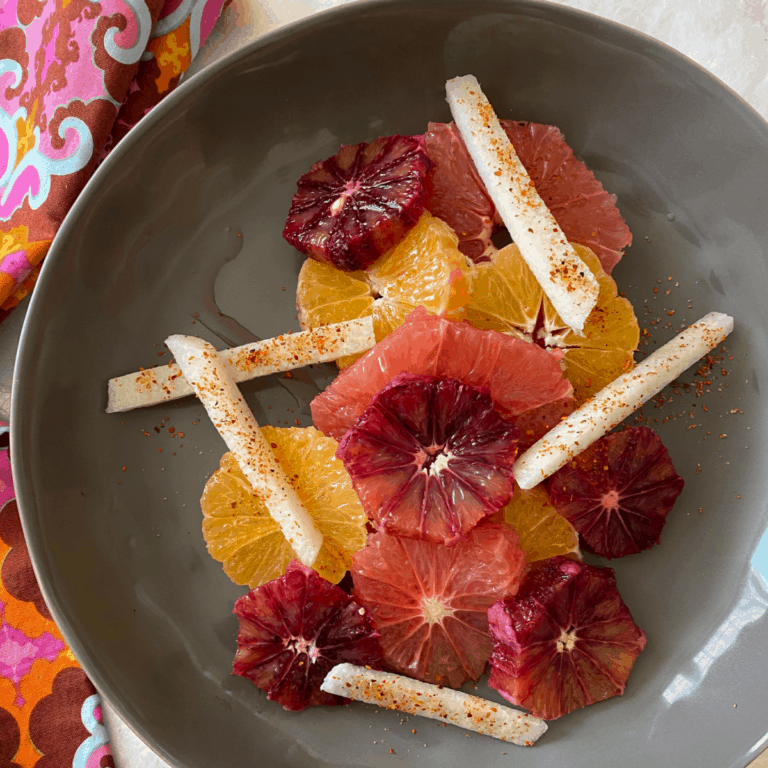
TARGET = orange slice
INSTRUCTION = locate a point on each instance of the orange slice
(506, 297)
(542, 530)
(426, 268)
(242, 535)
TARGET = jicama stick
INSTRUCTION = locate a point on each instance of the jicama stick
(619, 399)
(213, 384)
(416, 698)
(564, 277)
(283, 353)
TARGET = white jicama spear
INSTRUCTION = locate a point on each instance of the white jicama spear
(283, 353)
(619, 399)
(213, 384)
(416, 698)
(564, 277)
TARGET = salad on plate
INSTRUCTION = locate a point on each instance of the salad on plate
(429, 528)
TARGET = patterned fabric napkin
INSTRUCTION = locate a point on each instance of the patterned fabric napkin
(75, 76)
(50, 713)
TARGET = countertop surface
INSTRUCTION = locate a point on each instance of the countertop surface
(727, 37)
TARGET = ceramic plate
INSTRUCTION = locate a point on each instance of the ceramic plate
(180, 232)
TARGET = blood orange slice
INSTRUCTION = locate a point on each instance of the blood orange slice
(294, 630)
(618, 492)
(430, 602)
(536, 422)
(586, 213)
(519, 376)
(354, 206)
(564, 641)
(430, 458)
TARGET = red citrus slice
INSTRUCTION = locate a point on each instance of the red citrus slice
(519, 376)
(564, 641)
(430, 458)
(536, 422)
(456, 194)
(586, 213)
(354, 206)
(430, 602)
(294, 630)
(618, 492)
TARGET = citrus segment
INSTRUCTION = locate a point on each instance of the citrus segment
(352, 207)
(543, 532)
(294, 630)
(424, 269)
(456, 194)
(586, 213)
(506, 298)
(618, 492)
(430, 458)
(430, 602)
(519, 376)
(242, 536)
(564, 641)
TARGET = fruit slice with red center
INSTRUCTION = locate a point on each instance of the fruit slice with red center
(430, 458)
(536, 422)
(564, 641)
(354, 206)
(586, 213)
(430, 602)
(519, 376)
(618, 492)
(294, 630)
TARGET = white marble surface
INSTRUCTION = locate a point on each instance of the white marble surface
(727, 37)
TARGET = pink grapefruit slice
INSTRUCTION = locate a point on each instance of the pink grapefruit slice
(564, 641)
(430, 602)
(586, 213)
(618, 492)
(294, 630)
(430, 458)
(519, 376)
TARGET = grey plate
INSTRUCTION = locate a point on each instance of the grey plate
(183, 223)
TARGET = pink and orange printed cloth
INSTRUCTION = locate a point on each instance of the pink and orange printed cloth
(75, 77)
